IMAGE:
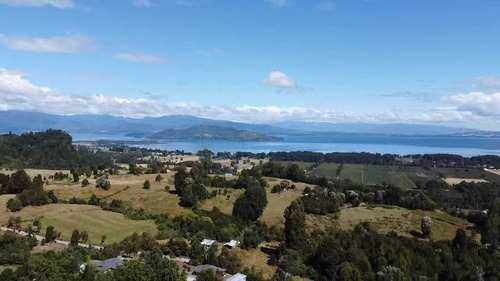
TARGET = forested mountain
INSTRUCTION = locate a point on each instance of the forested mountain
(206, 132)
(50, 149)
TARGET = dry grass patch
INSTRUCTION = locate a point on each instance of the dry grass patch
(35, 172)
(452, 181)
(257, 259)
(402, 221)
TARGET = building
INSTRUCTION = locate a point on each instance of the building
(216, 269)
(104, 266)
(208, 243)
(231, 244)
(237, 277)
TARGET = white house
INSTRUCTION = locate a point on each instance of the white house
(231, 244)
(208, 243)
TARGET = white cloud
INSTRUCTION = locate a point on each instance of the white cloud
(61, 4)
(18, 93)
(142, 3)
(279, 80)
(477, 102)
(279, 3)
(142, 58)
(63, 44)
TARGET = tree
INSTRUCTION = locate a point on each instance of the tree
(103, 182)
(50, 234)
(75, 237)
(180, 179)
(14, 205)
(212, 255)
(146, 184)
(18, 182)
(76, 177)
(14, 223)
(85, 182)
(295, 225)
(230, 261)
(348, 272)
(492, 230)
(84, 236)
(164, 269)
(94, 200)
(426, 226)
(134, 271)
(103, 238)
(250, 206)
(208, 275)
(158, 178)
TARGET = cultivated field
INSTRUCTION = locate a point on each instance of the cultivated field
(402, 221)
(403, 176)
(65, 218)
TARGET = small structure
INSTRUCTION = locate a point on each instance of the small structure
(216, 269)
(231, 244)
(237, 277)
(104, 266)
(228, 175)
(208, 243)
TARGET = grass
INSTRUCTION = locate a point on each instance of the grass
(257, 259)
(402, 221)
(66, 218)
(35, 172)
(128, 188)
(405, 177)
(14, 267)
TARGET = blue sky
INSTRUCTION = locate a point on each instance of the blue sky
(411, 61)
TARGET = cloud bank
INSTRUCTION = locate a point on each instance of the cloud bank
(18, 93)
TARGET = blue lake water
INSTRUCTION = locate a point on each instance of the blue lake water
(374, 144)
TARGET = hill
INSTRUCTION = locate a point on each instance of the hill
(52, 149)
(206, 132)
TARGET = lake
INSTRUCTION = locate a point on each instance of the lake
(337, 143)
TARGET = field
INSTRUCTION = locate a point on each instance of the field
(403, 176)
(129, 189)
(65, 218)
(459, 180)
(35, 172)
(277, 203)
(257, 259)
(402, 221)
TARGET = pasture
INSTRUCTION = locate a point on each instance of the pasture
(384, 219)
(66, 218)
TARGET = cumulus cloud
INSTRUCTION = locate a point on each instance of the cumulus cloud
(477, 102)
(142, 3)
(18, 93)
(279, 80)
(279, 3)
(142, 58)
(61, 4)
(63, 44)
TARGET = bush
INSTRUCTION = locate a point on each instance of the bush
(146, 185)
(14, 205)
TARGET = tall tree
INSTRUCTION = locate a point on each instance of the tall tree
(295, 225)
(251, 205)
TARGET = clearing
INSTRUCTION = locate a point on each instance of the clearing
(384, 219)
(452, 181)
(67, 217)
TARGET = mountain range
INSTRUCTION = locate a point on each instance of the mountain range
(23, 121)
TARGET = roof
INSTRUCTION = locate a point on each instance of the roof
(232, 243)
(237, 277)
(202, 267)
(110, 264)
(208, 242)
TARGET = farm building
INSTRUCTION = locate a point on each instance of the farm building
(208, 243)
(231, 244)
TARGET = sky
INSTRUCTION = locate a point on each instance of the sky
(257, 61)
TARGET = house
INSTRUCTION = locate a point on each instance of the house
(104, 266)
(208, 243)
(111, 264)
(228, 175)
(231, 244)
(237, 277)
(216, 269)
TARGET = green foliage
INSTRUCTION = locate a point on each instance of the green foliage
(50, 234)
(250, 206)
(75, 237)
(230, 261)
(85, 182)
(146, 184)
(134, 271)
(14, 205)
(295, 226)
(208, 275)
(163, 268)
